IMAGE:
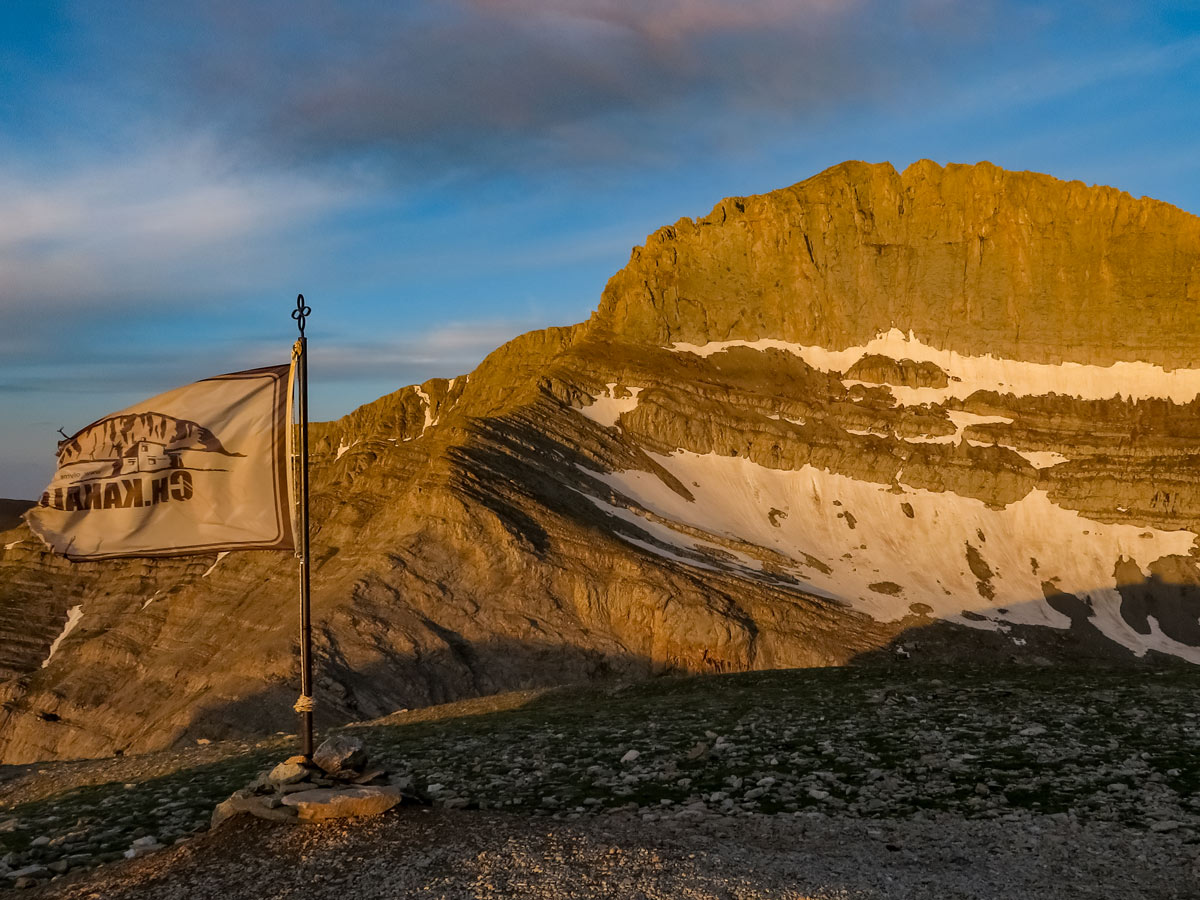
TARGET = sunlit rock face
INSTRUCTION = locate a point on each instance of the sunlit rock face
(947, 412)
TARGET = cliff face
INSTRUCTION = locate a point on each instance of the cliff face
(970, 258)
(950, 411)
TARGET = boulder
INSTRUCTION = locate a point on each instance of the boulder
(341, 753)
(343, 803)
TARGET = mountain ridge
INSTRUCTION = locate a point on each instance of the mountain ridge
(761, 451)
(831, 204)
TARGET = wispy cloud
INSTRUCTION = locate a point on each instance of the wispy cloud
(1064, 77)
(126, 228)
(443, 351)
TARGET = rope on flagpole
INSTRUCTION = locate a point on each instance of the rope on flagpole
(306, 703)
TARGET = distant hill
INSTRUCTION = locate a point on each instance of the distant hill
(10, 512)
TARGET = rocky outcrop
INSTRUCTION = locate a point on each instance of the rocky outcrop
(878, 369)
(943, 408)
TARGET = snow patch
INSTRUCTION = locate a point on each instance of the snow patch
(74, 614)
(430, 421)
(342, 448)
(1039, 459)
(13, 544)
(962, 419)
(216, 562)
(607, 408)
(703, 554)
(157, 594)
(867, 540)
(968, 374)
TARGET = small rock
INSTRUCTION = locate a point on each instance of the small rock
(147, 841)
(630, 756)
(145, 850)
(29, 872)
(1033, 731)
(42, 841)
(341, 753)
(288, 773)
(1165, 825)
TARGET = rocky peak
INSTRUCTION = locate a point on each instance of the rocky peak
(973, 259)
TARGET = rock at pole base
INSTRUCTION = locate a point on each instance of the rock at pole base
(322, 804)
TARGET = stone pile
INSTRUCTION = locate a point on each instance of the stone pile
(337, 784)
(904, 751)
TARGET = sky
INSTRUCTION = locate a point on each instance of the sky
(437, 177)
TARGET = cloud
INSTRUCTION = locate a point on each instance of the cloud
(518, 84)
(122, 229)
(443, 351)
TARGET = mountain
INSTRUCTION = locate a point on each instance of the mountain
(11, 512)
(947, 413)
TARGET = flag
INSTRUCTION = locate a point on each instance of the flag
(199, 469)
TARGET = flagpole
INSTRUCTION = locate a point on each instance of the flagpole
(305, 704)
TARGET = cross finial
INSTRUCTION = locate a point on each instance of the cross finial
(300, 313)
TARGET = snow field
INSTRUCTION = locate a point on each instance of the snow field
(1024, 544)
(968, 374)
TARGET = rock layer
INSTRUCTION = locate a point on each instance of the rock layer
(944, 411)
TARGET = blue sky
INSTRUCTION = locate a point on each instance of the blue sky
(438, 177)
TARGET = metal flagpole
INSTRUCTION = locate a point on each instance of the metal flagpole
(305, 704)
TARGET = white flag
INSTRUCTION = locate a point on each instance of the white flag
(198, 469)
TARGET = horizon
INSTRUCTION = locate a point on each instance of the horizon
(437, 181)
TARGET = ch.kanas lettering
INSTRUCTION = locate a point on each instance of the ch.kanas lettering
(121, 493)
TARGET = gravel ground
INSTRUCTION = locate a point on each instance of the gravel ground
(823, 781)
(415, 852)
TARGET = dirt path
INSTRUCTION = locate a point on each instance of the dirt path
(417, 852)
